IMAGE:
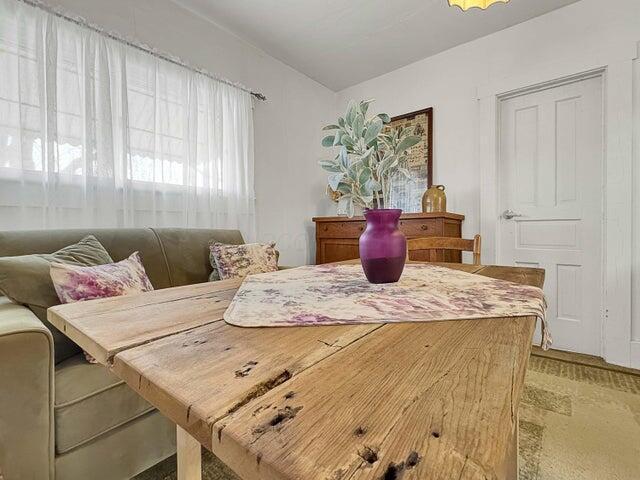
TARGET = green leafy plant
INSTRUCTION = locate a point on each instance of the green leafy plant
(369, 156)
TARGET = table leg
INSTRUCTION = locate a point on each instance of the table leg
(189, 456)
(509, 468)
(512, 459)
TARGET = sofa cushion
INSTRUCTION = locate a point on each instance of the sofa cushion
(25, 280)
(187, 251)
(122, 452)
(89, 401)
(119, 242)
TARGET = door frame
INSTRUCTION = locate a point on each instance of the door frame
(500, 225)
(615, 67)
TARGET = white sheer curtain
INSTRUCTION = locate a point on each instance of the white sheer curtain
(96, 133)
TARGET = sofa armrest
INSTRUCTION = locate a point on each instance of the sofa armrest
(26, 394)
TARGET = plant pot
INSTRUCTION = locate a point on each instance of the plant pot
(383, 247)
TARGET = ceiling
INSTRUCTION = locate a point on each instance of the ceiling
(340, 43)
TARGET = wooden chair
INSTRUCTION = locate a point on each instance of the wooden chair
(446, 243)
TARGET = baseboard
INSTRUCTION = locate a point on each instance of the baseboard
(586, 360)
(635, 354)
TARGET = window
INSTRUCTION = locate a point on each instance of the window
(88, 124)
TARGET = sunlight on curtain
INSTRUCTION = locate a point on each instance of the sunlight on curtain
(94, 133)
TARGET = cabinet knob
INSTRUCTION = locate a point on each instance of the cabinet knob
(424, 227)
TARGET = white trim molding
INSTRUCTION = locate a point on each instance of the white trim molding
(635, 267)
(616, 68)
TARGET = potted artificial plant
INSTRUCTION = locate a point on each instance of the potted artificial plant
(369, 157)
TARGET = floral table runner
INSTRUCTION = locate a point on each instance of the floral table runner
(340, 294)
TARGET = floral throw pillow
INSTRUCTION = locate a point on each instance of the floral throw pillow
(75, 283)
(238, 261)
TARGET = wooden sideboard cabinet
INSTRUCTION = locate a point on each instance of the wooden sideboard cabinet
(337, 237)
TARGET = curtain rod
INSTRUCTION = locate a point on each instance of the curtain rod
(80, 21)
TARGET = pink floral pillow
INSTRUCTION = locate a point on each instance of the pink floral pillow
(75, 283)
(237, 261)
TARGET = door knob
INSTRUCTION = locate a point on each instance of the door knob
(509, 214)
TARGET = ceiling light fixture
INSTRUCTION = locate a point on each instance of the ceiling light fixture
(467, 4)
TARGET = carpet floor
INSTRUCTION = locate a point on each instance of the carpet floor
(579, 420)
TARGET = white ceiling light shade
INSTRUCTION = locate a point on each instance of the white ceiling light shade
(481, 4)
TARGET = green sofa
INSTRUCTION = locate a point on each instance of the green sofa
(68, 419)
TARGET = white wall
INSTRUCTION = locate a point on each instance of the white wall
(287, 133)
(289, 185)
(450, 82)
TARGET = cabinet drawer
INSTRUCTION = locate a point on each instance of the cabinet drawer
(340, 230)
(420, 228)
(336, 250)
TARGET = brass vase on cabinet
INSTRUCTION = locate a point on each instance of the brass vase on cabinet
(434, 199)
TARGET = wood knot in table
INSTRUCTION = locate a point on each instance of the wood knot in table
(260, 389)
(395, 471)
(368, 454)
(246, 368)
(360, 431)
(282, 416)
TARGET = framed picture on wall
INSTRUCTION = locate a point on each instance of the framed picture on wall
(407, 193)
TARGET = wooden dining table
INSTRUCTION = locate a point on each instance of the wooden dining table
(433, 401)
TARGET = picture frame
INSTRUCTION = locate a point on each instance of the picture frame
(407, 193)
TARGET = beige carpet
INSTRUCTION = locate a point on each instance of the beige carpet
(579, 420)
(212, 469)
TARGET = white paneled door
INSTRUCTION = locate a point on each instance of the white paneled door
(551, 204)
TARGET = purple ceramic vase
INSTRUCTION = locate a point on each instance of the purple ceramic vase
(383, 247)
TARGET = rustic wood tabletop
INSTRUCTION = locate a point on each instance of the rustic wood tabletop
(430, 401)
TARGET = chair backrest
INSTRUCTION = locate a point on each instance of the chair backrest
(446, 243)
